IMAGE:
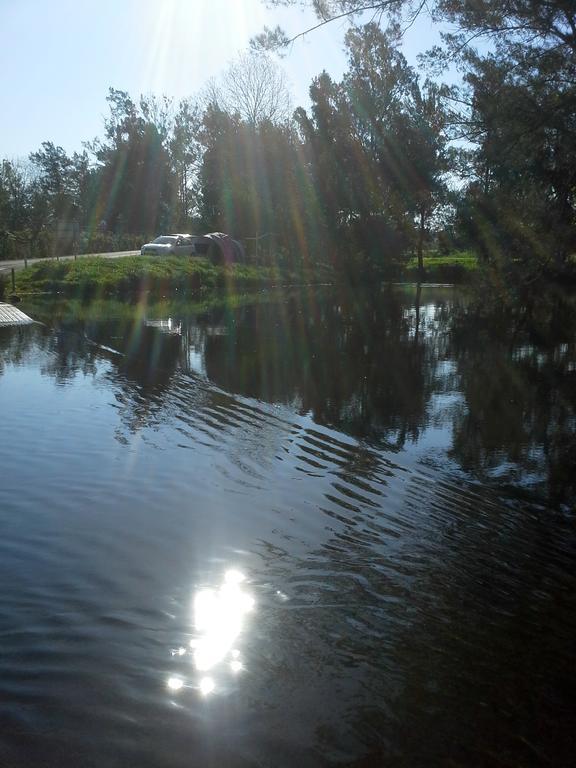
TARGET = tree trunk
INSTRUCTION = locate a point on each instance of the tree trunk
(421, 232)
(417, 306)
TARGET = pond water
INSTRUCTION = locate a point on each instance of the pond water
(309, 527)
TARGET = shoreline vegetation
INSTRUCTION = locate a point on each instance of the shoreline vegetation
(133, 275)
(174, 275)
(386, 163)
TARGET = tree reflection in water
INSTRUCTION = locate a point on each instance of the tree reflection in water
(378, 366)
(517, 368)
(330, 442)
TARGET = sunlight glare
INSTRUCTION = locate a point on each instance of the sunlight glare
(218, 617)
(206, 686)
(175, 683)
(234, 577)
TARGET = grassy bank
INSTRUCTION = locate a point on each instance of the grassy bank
(134, 275)
(456, 267)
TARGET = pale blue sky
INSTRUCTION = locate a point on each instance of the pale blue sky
(58, 58)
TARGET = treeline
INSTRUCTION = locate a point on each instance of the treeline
(384, 164)
(121, 188)
(511, 123)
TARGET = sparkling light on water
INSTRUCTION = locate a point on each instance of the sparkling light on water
(218, 618)
(206, 686)
(219, 615)
(175, 683)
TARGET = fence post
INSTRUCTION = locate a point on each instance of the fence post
(13, 280)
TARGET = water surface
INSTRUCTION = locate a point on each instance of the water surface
(303, 528)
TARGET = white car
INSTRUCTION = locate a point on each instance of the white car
(170, 245)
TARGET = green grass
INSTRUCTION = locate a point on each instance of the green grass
(134, 275)
(174, 276)
(432, 260)
(459, 266)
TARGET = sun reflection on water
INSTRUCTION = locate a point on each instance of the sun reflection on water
(175, 683)
(219, 615)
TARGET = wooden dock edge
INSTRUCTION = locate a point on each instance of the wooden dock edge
(10, 315)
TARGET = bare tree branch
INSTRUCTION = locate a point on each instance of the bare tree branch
(255, 87)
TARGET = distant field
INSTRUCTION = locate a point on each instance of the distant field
(464, 259)
(457, 267)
